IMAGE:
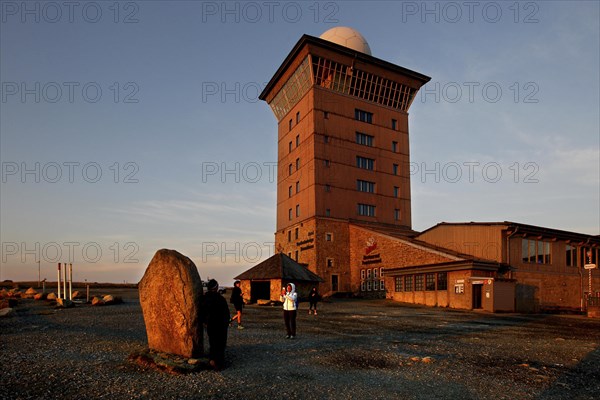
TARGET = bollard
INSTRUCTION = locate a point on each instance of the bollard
(70, 281)
(58, 281)
(65, 282)
(87, 298)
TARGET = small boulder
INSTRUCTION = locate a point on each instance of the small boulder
(78, 295)
(97, 301)
(40, 296)
(263, 302)
(7, 312)
(51, 296)
(31, 291)
(108, 299)
(64, 303)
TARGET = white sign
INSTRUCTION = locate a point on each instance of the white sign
(589, 266)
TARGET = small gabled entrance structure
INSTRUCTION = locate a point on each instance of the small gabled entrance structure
(265, 280)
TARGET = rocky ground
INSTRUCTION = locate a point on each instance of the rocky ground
(353, 349)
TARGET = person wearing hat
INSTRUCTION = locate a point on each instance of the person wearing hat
(215, 315)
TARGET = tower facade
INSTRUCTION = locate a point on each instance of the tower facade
(343, 149)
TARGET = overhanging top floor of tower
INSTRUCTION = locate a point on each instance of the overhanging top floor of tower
(346, 67)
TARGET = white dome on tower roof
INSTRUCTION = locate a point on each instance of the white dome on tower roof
(347, 37)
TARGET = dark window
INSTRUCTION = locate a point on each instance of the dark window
(296, 233)
(394, 124)
(297, 164)
(298, 117)
(397, 214)
(326, 139)
(430, 282)
(408, 283)
(365, 163)
(398, 284)
(328, 212)
(326, 114)
(328, 237)
(297, 140)
(290, 168)
(290, 214)
(330, 262)
(364, 139)
(297, 210)
(363, 116)
(365, 186)
(296, 256)
(290, 147)
(571, 256)
(298, 187)
(289, 236)
(290, 125)
(586, 258)
(442, 281)
(366, 210)
(418, 282)
(395, 169)
(395, 147)
(396, 191)
(290, 191)
(327, 188)
(327, 163)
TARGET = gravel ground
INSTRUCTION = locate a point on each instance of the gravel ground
(369, 349)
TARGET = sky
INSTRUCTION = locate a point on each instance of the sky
(127, 127)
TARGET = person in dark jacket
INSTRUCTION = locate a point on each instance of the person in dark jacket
(237, 299)
(215, 315)
(313, 299)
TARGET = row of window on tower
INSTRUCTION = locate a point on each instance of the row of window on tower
(291, 121)
(370, 187)
(365, 116)
(368, 140)
(369, 210)
(328, 235)
(369, 164)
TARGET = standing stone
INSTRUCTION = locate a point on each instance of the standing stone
(170, 296)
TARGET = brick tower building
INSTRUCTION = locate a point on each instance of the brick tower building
(343, 150)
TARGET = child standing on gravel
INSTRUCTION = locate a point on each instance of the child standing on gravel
(289, 297)
(313, 299)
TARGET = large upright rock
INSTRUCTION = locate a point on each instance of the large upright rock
(170, 296)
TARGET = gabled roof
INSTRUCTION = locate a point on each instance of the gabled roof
(279, 266)
(425, 246)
